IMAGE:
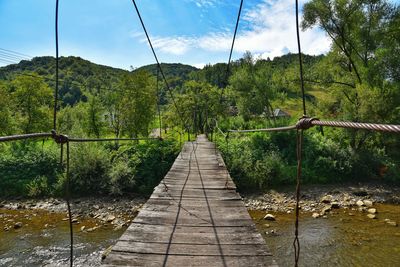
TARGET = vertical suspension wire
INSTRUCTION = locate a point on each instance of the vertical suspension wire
(159, 102)
(299, 144)
(232, 46)
(56, 89)
(68, 197)
(300, 59)
(296, 242)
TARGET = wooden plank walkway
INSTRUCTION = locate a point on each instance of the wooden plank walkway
(194, 217)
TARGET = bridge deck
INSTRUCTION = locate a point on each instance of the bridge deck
(193, 218)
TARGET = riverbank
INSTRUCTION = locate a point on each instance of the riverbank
(117, 212)
(321, 200)
(315, 199)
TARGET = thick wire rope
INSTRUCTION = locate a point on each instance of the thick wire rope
(68, 198)
(234, 38)
(296, 242)
(67, 189)
(159, 102)
(232, 46)
(300, 59)
(158, 64)
(56, 89)
(299, 141)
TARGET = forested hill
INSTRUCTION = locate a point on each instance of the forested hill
(73, 67)
(79, 76)
(170, 69)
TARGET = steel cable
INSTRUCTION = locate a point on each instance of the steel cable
(56, 89)
(158, 64)
(300, 58)
(68, 198)
(296, 242)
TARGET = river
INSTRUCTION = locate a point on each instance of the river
(344, 238)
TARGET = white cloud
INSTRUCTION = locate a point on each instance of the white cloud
(172, 45)
(205, 3)
(270, 32)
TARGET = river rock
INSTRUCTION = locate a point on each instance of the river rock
(372, 210)
(368, 203)
(390, 222)
(326, 199)
(111, 218)
(315, 215)
(17, 225)
(360, 193)
(371, 216)
(360, 203)
(83, 228)
(335, 205)
(269, 217)
(326, 209)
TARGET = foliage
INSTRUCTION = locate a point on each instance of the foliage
(263, 160)
(198, 103)
(138, 102)
(28, 169)
(32, 99)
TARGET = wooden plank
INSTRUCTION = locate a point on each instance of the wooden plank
(194, 217)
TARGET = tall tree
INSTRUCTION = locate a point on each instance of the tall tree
(360, 65)
(5, 112)
(32, 99)
(138, 102)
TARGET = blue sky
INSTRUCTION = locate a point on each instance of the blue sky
(193, 32)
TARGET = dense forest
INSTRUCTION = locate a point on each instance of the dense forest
(357, 80)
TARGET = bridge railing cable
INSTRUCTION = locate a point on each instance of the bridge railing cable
(159, 66)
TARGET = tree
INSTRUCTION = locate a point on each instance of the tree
(252, 87)
(33, 100)
(94, 113)
(361, 63)
(138, 102)
(5, 112)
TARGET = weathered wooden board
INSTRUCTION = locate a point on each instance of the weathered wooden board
(194, 217)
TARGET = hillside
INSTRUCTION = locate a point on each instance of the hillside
(78, 75)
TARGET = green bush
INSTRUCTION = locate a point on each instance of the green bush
(28, 168)
(260, 160)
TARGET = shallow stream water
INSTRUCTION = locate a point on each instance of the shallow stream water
(43, 239)
(344, 238)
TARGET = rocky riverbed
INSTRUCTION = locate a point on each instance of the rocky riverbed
(321, 200)
(117, 212)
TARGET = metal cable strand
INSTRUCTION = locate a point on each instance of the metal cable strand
(24, 136)
(83, 140)
(158, 63)
(56, 89)
(300, 58)
(296, 242)
(359, 125)
(277, 129)
(68, 197)
(233, 40)
(158, 103)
